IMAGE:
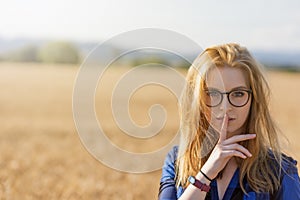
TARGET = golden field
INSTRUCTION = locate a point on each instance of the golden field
(42, 156)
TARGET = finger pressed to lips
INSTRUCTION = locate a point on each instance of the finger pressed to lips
(223, 133)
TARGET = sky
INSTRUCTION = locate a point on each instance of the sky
(257, 24)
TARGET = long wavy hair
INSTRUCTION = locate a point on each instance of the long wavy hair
(198, 138)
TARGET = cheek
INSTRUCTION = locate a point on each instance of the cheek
(210, 114)
(245, 113)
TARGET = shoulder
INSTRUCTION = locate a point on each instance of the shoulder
(172, 155)
(288, 164)
(168, 169)
(290, 182)
(289, 178)
(167, 188)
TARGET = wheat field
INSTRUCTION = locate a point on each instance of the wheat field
(42, 156)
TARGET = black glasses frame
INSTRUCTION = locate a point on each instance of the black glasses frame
(228, 93)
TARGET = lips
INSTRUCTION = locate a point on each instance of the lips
(229, 118)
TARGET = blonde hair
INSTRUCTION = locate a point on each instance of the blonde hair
(198, 138)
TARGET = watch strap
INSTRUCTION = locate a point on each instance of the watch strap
(199, 184)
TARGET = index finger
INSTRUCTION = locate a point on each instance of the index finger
(223, 132)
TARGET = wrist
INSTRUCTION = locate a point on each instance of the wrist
(202, 178)
(205, 175)
(208, 173)
(199, 184)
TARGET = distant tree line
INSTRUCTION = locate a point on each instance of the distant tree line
(52, 52)
(67, 52)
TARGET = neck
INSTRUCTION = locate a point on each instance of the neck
(229, 168)
(232, 163)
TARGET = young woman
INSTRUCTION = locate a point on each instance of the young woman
(229, 147)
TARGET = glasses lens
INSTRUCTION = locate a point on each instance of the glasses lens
(238, 97)
(212, 97)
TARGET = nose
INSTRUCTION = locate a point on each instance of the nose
(225, 105)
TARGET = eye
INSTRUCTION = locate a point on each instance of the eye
(212, 93)
(238, 93)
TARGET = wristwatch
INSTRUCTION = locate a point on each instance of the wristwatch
(199, 184)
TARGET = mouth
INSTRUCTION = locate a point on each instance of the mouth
(222, 118)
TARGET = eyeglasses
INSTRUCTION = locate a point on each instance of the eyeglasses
(236, 97)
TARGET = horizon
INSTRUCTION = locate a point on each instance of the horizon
(32, 40)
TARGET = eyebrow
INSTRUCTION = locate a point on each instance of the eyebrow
(235, 88)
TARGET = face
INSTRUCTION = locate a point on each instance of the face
(227, 79)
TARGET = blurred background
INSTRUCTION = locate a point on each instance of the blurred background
(42, 46)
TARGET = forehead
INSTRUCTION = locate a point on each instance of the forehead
(226, 78)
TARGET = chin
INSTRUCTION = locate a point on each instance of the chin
(235, 130)
(231, 128)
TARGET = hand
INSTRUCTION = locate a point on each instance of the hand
(226, 149)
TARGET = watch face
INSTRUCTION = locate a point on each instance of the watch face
(192, 180)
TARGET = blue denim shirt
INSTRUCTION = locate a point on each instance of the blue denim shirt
(289, 189)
